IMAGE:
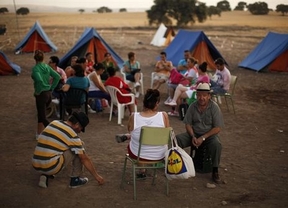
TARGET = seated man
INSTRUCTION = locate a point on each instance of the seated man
(162, 69)
(203, 122)
(222, 76)
(59, 146)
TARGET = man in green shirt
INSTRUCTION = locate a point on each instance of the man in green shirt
(203, 121)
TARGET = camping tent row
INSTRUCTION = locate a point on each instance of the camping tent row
(271, 53)
(7, 67)
(90, 41)
(163, 36)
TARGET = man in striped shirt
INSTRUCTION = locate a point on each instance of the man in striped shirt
(58, 146)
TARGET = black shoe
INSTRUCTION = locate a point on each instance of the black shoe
(141, 175)
(121, 138)
(77, 181)
(216, 178)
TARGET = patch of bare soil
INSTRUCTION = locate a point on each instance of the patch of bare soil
(255, 140)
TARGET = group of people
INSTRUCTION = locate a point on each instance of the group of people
(59, 144)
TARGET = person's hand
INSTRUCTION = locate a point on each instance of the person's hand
(194, 141)
(199, 141)
(100, 180)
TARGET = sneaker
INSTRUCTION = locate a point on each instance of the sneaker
(173, 113)
(137, 84)
(121, 138)
(172, 103)
(90, 110)
(43, 182)
(137, 94)
(167, 101)
(55, 101)
(77, 181)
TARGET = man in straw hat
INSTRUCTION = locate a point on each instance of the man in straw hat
(59, 146)
(203, 122)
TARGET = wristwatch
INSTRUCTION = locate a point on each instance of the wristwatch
(203, 138)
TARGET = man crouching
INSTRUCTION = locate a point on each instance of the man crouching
(58, 146)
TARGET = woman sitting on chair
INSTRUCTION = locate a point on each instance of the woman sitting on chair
(132, 71)
(121, 85)
(149, 116)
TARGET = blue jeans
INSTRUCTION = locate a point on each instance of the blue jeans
(217, 89)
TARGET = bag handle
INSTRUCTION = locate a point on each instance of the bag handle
(174, 143)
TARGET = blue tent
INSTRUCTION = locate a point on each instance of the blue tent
(90, 41)
(7, 67)
(35, 39)
(197, 43)
(271, 53)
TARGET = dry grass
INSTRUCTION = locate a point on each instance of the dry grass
(108, 20)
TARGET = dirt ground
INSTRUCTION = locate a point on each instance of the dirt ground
(255, 139)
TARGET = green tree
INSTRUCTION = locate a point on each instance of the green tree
(22, 11)
(122, 10)
(183, 11)
(258, 8)
(213, 10)
(224, 6)
(241, 6)
(3, 10)
(81, 11)
(104, 10)
(283, 8)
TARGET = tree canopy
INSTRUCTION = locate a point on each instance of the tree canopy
(241, 6)
(104, 10)
(224, 6)
(258, 8)
(123, 10)
(213, 10)
(81, 11)
(22, 11)
(183, 11)
(283, 8)
(3, 10)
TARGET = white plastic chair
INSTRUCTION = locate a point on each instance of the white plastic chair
(152, 77)
(120, 106)
(128, 82)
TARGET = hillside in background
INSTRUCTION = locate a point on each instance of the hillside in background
(54, 9)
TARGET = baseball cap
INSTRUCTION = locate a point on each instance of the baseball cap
(82, 118)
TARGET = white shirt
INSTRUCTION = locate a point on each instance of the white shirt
(148, 152)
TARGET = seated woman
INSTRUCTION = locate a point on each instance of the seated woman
(132, 71)
(182, 92)
(121, 85)
(97, 89)
(190, 77)
(77, 81)
(149, 116)
(107, 62)
(69, 70)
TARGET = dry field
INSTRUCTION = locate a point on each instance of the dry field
(255, 140)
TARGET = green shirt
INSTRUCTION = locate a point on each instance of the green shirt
(41, 74)
(205, 121)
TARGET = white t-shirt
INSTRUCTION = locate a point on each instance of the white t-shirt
(223, 78)
(148, 152)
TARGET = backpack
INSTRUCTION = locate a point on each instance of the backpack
(182, 110)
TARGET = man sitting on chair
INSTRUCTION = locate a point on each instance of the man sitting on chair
(203, 122)
(222, 76)
(162, 69)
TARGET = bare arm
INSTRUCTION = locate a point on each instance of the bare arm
(131, 123)
(85, 160)
(65, 87)
(98, 83)
(166, 119)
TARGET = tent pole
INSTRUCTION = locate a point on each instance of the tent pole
(16, 19)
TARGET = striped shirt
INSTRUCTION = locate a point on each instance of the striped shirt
(55, 139)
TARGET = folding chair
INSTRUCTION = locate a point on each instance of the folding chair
(228, 95)
(156, 136)
(128, 82)
(73, 98)
(120, 106)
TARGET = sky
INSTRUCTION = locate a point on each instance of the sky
(125, 3)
